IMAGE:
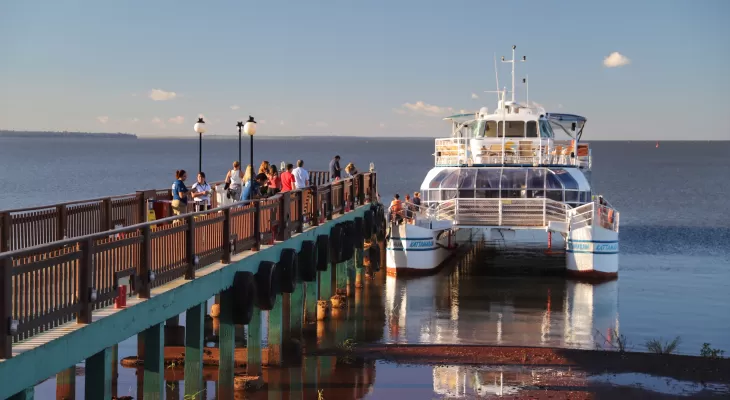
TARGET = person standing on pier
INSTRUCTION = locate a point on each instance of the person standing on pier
(180, 193)
(287, 179)
(335, 171)
(301, 175)
(274, 181)
(252, 190)
(234, 179)
(201, 193)
(350, 170)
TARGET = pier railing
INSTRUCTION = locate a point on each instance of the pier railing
(45, 285)
(27, 227)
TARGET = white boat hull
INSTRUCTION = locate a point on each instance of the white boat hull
(416, 250)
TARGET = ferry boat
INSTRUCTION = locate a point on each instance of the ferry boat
(505, 178)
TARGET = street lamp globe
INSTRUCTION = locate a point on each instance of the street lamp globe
(250, 127)
(199, 126)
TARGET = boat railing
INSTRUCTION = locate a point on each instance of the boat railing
(452, 151)
(499, 212)
(595, 212)
(512, 151)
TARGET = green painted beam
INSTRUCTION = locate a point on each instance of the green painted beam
(311, 295)
(253, 344)
(227, 346)
(310, 377)
(325, 284)
(115, 370)
(275, 333)
(154, 363)
(57, 354)
(342, 277)
(98, 379)
(296, 387)
(194, 323)
(66, 384)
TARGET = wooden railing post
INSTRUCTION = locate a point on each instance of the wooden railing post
(361, 189)
(62, 221)
(106, 214)
(226, 259)
(283, 233)
(84, 284)
(351, 195)
(190, 248)
(315, 207)
(300, 210)
(257, 226)
(141, 207)
(5, 221)
(145, 263)
(6, 307)
(330, 196)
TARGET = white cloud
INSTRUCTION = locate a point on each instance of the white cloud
(319, 124)
(176, 120)
(235, 107)
(103, 119)
(161, 95)
(281, 122)
(474, 96)
(422, 108)
(382, 125)
(135, 120)
(560, 106)
(615, 60)
(399, 111)
(262, 122)
(158, 122)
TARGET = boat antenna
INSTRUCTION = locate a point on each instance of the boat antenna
(496, 75)
(524, 58)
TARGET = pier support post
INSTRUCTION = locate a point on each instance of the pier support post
(351, 275)
(296, 309)
(66, 384)
(253, 344)
(27, 394)
(115, 369)
(359, 268)
(98, 382)
(154, 363)
(227, 345)
(311, 296)
(310, 377)
(194, 323)
(275, 332)
(342, 278)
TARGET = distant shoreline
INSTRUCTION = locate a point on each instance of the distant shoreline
(50, 134)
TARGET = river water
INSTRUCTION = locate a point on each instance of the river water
(674, 262)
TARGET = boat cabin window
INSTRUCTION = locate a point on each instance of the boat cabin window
(477, 128)
(514, 128)
(491, 130)
(506, 183)
(531, 131)
(546, 131)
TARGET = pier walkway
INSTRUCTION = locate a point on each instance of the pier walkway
(78, 278)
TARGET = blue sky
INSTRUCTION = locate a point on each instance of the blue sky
(360, 68)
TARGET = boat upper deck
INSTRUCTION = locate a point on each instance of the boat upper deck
(459, 151)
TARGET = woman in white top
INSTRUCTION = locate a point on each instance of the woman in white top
(201, 193)
(234, 181)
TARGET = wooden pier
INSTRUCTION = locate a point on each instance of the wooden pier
(63, 267)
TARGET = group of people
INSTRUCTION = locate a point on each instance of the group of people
(404, 211)
(239, 185)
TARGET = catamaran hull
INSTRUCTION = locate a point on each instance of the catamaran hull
(415, 250)
(592, 253)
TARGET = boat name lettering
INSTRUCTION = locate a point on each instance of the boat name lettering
(594, 247)
(422, 243)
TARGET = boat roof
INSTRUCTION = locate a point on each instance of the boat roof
(565, 117)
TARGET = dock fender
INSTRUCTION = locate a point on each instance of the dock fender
(374, 256)
(359, 233)
(323, 252)
(336, 243)
(289, 266)
(348, 240)
(308, 261)
(267, 285)
(244, 297)
(367, 223)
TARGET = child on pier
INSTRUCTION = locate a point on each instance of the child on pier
(180, 193)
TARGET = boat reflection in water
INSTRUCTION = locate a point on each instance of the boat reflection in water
(467, 306)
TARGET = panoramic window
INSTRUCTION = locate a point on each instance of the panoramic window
(546, 130)
(477, 128)
(531, 129)
(491, 130)
(515, 129)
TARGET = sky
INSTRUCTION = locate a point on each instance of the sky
(636, 69)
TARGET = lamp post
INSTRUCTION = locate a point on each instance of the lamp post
(250, 129)
(200, 128)
(240, 126)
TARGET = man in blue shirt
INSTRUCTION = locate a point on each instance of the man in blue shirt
(252, 190)
(179, 193)
(335, 169)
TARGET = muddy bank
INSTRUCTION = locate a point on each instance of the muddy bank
(681, 367)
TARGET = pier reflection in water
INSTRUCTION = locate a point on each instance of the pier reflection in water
(462, 304)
